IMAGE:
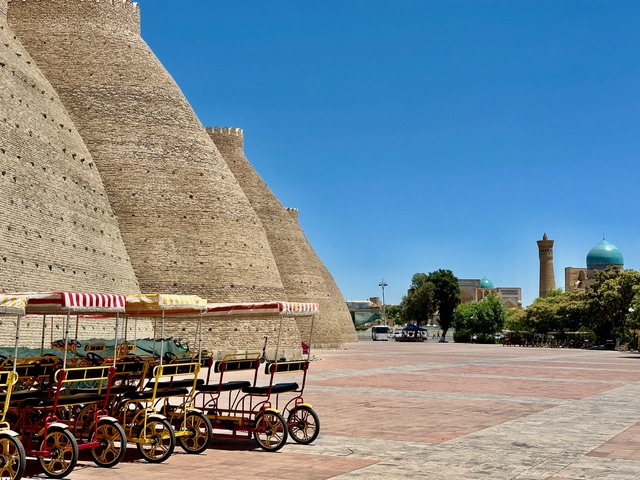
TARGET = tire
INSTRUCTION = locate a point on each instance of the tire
(200, 433)
(114, 444)
(13, 459)
(270, 431)
(64, 448)
(160, 439)
(303, 424)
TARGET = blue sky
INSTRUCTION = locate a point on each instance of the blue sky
(417, 135)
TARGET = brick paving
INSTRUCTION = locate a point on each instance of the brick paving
(430, 410)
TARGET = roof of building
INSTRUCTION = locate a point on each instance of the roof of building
(486, 283)
(604, 253)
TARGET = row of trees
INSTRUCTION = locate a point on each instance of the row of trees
(609, 308)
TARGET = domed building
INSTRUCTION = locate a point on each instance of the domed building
(473, 290)
(602, 256)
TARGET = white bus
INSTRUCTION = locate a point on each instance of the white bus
(380, 332)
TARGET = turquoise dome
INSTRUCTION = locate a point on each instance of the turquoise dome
(486, 283)
(604, 254)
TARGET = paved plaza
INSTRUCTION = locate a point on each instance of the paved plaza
(431, 410)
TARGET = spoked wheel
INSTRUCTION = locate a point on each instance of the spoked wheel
(63, 450)
(113, 444)
(159, 440)
(271, 431)
(200, 433)
(304, 425)
(13, 459)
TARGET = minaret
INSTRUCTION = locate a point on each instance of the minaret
(547, 278)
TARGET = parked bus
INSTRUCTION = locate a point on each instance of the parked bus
(380, 332)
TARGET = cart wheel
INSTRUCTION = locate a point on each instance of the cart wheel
(13, 459)
(64, 453)
(200, 433)
(304, 425)
(113, 444)
(271, 431)
(159, 440)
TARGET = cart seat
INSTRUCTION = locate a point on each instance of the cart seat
(224, 387)
(275, 389)
(21, 395)
(182, 383)
(63, 400)
(148, 394)
(117, 390)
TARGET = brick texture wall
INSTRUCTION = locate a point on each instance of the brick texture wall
(58, 230)
(304, 276)
(186, 223)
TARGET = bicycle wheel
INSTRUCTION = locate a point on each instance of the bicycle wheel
(270, 431)
(200, 433)
(64, 453)
(13, 459)
(304, 425)
(113, 442)
(157, 440)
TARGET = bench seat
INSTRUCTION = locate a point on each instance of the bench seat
(275, 389)
(224, 387)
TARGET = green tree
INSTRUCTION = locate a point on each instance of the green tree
(608, 301)
(516, 320)
(447, 296)
(419, 305)
(394, 313)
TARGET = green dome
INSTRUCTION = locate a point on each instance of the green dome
(604, 254)
(486, 283)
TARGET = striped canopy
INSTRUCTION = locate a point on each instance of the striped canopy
(159, 303)
(12, 304)
(56, 303)
(263, 308)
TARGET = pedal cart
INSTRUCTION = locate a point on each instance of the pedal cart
(13, 458)
(245, 409)
(46, 408)
(161, 409)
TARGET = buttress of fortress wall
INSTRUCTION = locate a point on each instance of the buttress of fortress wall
(301, 270)
(58, 230)
(187, 224)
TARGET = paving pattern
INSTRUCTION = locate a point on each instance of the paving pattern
(431, 410)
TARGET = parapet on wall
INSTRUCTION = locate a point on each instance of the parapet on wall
(114, 14)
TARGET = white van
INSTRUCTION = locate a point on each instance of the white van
(380, 332)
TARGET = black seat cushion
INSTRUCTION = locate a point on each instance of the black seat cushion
(224, 387)
(275, 389)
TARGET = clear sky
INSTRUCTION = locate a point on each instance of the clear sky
(415, 135)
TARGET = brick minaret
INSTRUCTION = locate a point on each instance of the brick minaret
(547, 278)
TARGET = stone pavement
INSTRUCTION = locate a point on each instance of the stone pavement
(392, 410)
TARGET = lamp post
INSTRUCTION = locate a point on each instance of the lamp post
(383, 284)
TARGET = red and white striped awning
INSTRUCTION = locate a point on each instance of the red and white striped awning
(158, 303)
(12, 304)
(261, 309)
(53, 303)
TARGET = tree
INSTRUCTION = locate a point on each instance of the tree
(608, 301)
(484, 317)
(394, 313)
(447, 296)
(419, 305)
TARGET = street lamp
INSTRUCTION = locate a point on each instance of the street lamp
(383, 284)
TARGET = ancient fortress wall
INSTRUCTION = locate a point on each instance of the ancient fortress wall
(302, 271)
(187, 224)
(58, 230)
